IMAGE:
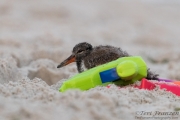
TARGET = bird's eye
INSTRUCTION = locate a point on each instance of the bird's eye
(80, 51)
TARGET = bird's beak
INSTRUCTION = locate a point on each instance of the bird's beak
(69, 60)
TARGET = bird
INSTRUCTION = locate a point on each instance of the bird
(86, 57)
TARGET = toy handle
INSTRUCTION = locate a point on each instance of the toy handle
(127, 70)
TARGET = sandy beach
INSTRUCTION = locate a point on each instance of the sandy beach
(36, 35)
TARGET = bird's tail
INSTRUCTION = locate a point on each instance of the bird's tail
(151, 75)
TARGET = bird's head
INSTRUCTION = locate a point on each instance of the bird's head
(79, 52)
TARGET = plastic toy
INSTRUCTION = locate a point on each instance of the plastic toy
(173, 81)
(174, 88)
(123, 71)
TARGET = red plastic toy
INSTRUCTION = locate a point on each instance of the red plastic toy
(174, 88)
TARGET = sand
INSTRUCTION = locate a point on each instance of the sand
(36, 35)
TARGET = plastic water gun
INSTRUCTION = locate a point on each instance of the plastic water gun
(123, 71)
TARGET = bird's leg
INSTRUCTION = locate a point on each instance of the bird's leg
(79, 66)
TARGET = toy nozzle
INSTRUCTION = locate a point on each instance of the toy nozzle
(69, 60)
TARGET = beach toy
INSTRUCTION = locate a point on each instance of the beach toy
(123, 71)
(149, 85)
(172, 81)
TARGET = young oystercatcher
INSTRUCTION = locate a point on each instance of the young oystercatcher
(87, 56)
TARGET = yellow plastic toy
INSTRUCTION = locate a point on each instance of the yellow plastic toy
(123, 71)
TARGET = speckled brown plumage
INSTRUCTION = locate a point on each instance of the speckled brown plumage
(101, 55)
